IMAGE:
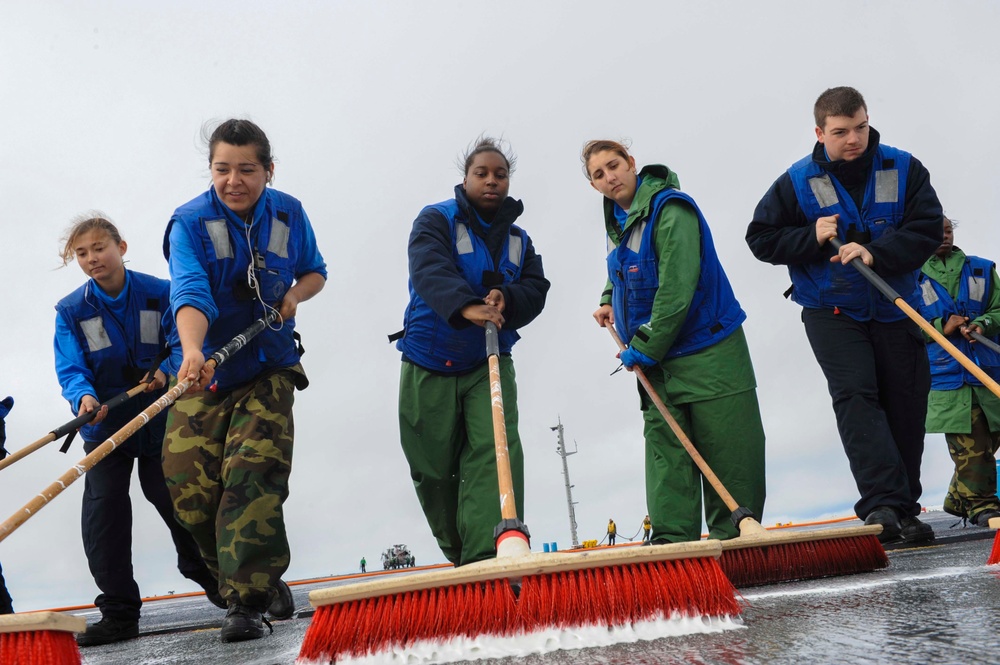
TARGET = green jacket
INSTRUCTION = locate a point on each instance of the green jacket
(950, 411)
(717, 371)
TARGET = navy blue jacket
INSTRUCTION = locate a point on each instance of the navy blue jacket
(781, 234)
(436, 279)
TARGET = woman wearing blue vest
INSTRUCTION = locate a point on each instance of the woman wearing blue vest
(235, 252)
(878, 200)
(959, 295)
(469, 264)
(108, 332)
(671, 302)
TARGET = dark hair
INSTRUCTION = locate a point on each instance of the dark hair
(488, 144)
(93, 220)
(239, 132)
(600, 145)
(838, 101)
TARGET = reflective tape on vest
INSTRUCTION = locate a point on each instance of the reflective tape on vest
(219, 235)
(149, 326)
(278, 242)
(97, 336)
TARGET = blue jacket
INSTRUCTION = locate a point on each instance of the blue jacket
(834, 284)
(208, 253)
(901, 212)
(455, 259)
(974, 289)
(633, 269)
(104, 346)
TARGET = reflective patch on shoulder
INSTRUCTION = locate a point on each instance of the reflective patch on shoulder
(635, 237)
(611, 245)
(97, 337)
(927, 293)
(149, 326)
(824, 191)
(977, 288)
(514, 249)
(887, 186)
(463, 242)
(278, 242)
(219, 235)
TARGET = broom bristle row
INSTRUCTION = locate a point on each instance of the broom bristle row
(609, 596)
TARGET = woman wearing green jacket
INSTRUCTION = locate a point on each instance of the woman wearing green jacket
(671, 302)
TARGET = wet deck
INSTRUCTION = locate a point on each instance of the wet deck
(933, 604)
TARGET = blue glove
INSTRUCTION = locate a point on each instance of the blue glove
(630, 358)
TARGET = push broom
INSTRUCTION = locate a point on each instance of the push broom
(41, 638)
(760, 557)
(70, 427)
(518, 592)
(933, 333)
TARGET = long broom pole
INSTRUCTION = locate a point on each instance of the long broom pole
(517, 592)
(44, 497)
(70, 427)
(511, 535)
(760, 557)
(931, 331)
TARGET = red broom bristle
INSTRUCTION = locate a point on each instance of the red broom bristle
(768, 564)
(995, 552)
(39, 647)
(609, 596)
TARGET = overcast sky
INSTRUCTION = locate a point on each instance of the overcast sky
(368, 105)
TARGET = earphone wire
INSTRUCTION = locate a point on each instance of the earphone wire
(252, 277)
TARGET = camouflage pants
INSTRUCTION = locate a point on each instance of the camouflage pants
(226, 458)
(973, 486)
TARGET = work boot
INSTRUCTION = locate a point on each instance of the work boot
(108, 630)
(915, 531)
(283, 605)
(983, 517)
(889, 520)
(242, 622)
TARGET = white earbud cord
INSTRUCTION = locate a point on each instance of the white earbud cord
(255, 284)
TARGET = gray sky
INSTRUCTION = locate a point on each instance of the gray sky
(367, 106)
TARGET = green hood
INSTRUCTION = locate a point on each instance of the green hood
(655, 178)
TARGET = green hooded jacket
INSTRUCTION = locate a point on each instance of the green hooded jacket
(950, 411)
(716, 371)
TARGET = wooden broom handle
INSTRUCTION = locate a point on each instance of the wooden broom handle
(931, 331)
(703, 466)
(61, 431)
(508, 505)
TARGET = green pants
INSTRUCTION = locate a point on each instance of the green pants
(728, 433)
(973, 486)
(226, 458)
(446, 431)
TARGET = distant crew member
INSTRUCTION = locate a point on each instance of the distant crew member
(612, 532)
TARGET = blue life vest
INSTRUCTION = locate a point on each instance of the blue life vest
(714, 312)
(974, 288)
(276, 234)
(430, 341)
(823, 284)
(119, 353)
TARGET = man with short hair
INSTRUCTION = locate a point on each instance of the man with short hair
(879, 202)
(959, 296)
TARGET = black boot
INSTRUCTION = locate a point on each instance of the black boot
(108, 630)
(889, 520)
(242, 622)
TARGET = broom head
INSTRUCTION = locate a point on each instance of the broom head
(995, 552)
(40, 638)
(759, 556)
(558, 590)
